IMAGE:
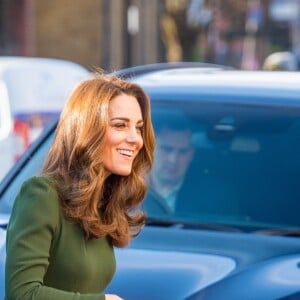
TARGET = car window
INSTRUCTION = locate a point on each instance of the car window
(244, 170)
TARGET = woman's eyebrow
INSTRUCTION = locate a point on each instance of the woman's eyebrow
(125, 119)
(119, 118)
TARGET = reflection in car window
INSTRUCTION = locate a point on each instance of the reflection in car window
(33, 167)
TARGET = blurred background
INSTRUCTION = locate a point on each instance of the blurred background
(111, 34)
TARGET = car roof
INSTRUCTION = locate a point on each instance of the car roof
(261, 87)
(37, 62)
(204, 76)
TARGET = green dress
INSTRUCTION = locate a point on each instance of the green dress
(48, 257)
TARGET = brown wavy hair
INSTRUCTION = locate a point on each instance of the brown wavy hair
(103, 204)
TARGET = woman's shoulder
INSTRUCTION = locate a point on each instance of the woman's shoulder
(39, 191)
(40, 184)
(39, 180)
(37, 203)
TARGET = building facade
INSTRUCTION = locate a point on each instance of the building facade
(105, 34)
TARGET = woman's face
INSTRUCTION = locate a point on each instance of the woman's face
(124, 134)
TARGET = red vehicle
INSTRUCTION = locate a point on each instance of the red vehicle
(33, 91)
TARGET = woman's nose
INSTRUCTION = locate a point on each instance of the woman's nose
(133, 135)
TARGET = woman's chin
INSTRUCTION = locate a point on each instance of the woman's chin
(122, 172)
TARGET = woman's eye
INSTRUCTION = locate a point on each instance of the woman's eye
(119, 125)
(139, 128)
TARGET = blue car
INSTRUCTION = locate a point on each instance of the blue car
(234, 232)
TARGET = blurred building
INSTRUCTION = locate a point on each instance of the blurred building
(111, 34)
(105, 34)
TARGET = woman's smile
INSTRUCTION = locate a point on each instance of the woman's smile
(126, 152)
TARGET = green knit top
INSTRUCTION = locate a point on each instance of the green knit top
(47, 255)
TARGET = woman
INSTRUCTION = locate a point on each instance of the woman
(66, 221)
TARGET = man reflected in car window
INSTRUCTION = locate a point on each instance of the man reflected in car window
(173, 155)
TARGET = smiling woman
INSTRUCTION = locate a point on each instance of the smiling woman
(91, 183)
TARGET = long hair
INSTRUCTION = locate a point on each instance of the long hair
(103, 204)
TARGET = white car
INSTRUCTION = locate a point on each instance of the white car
(32, 92)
